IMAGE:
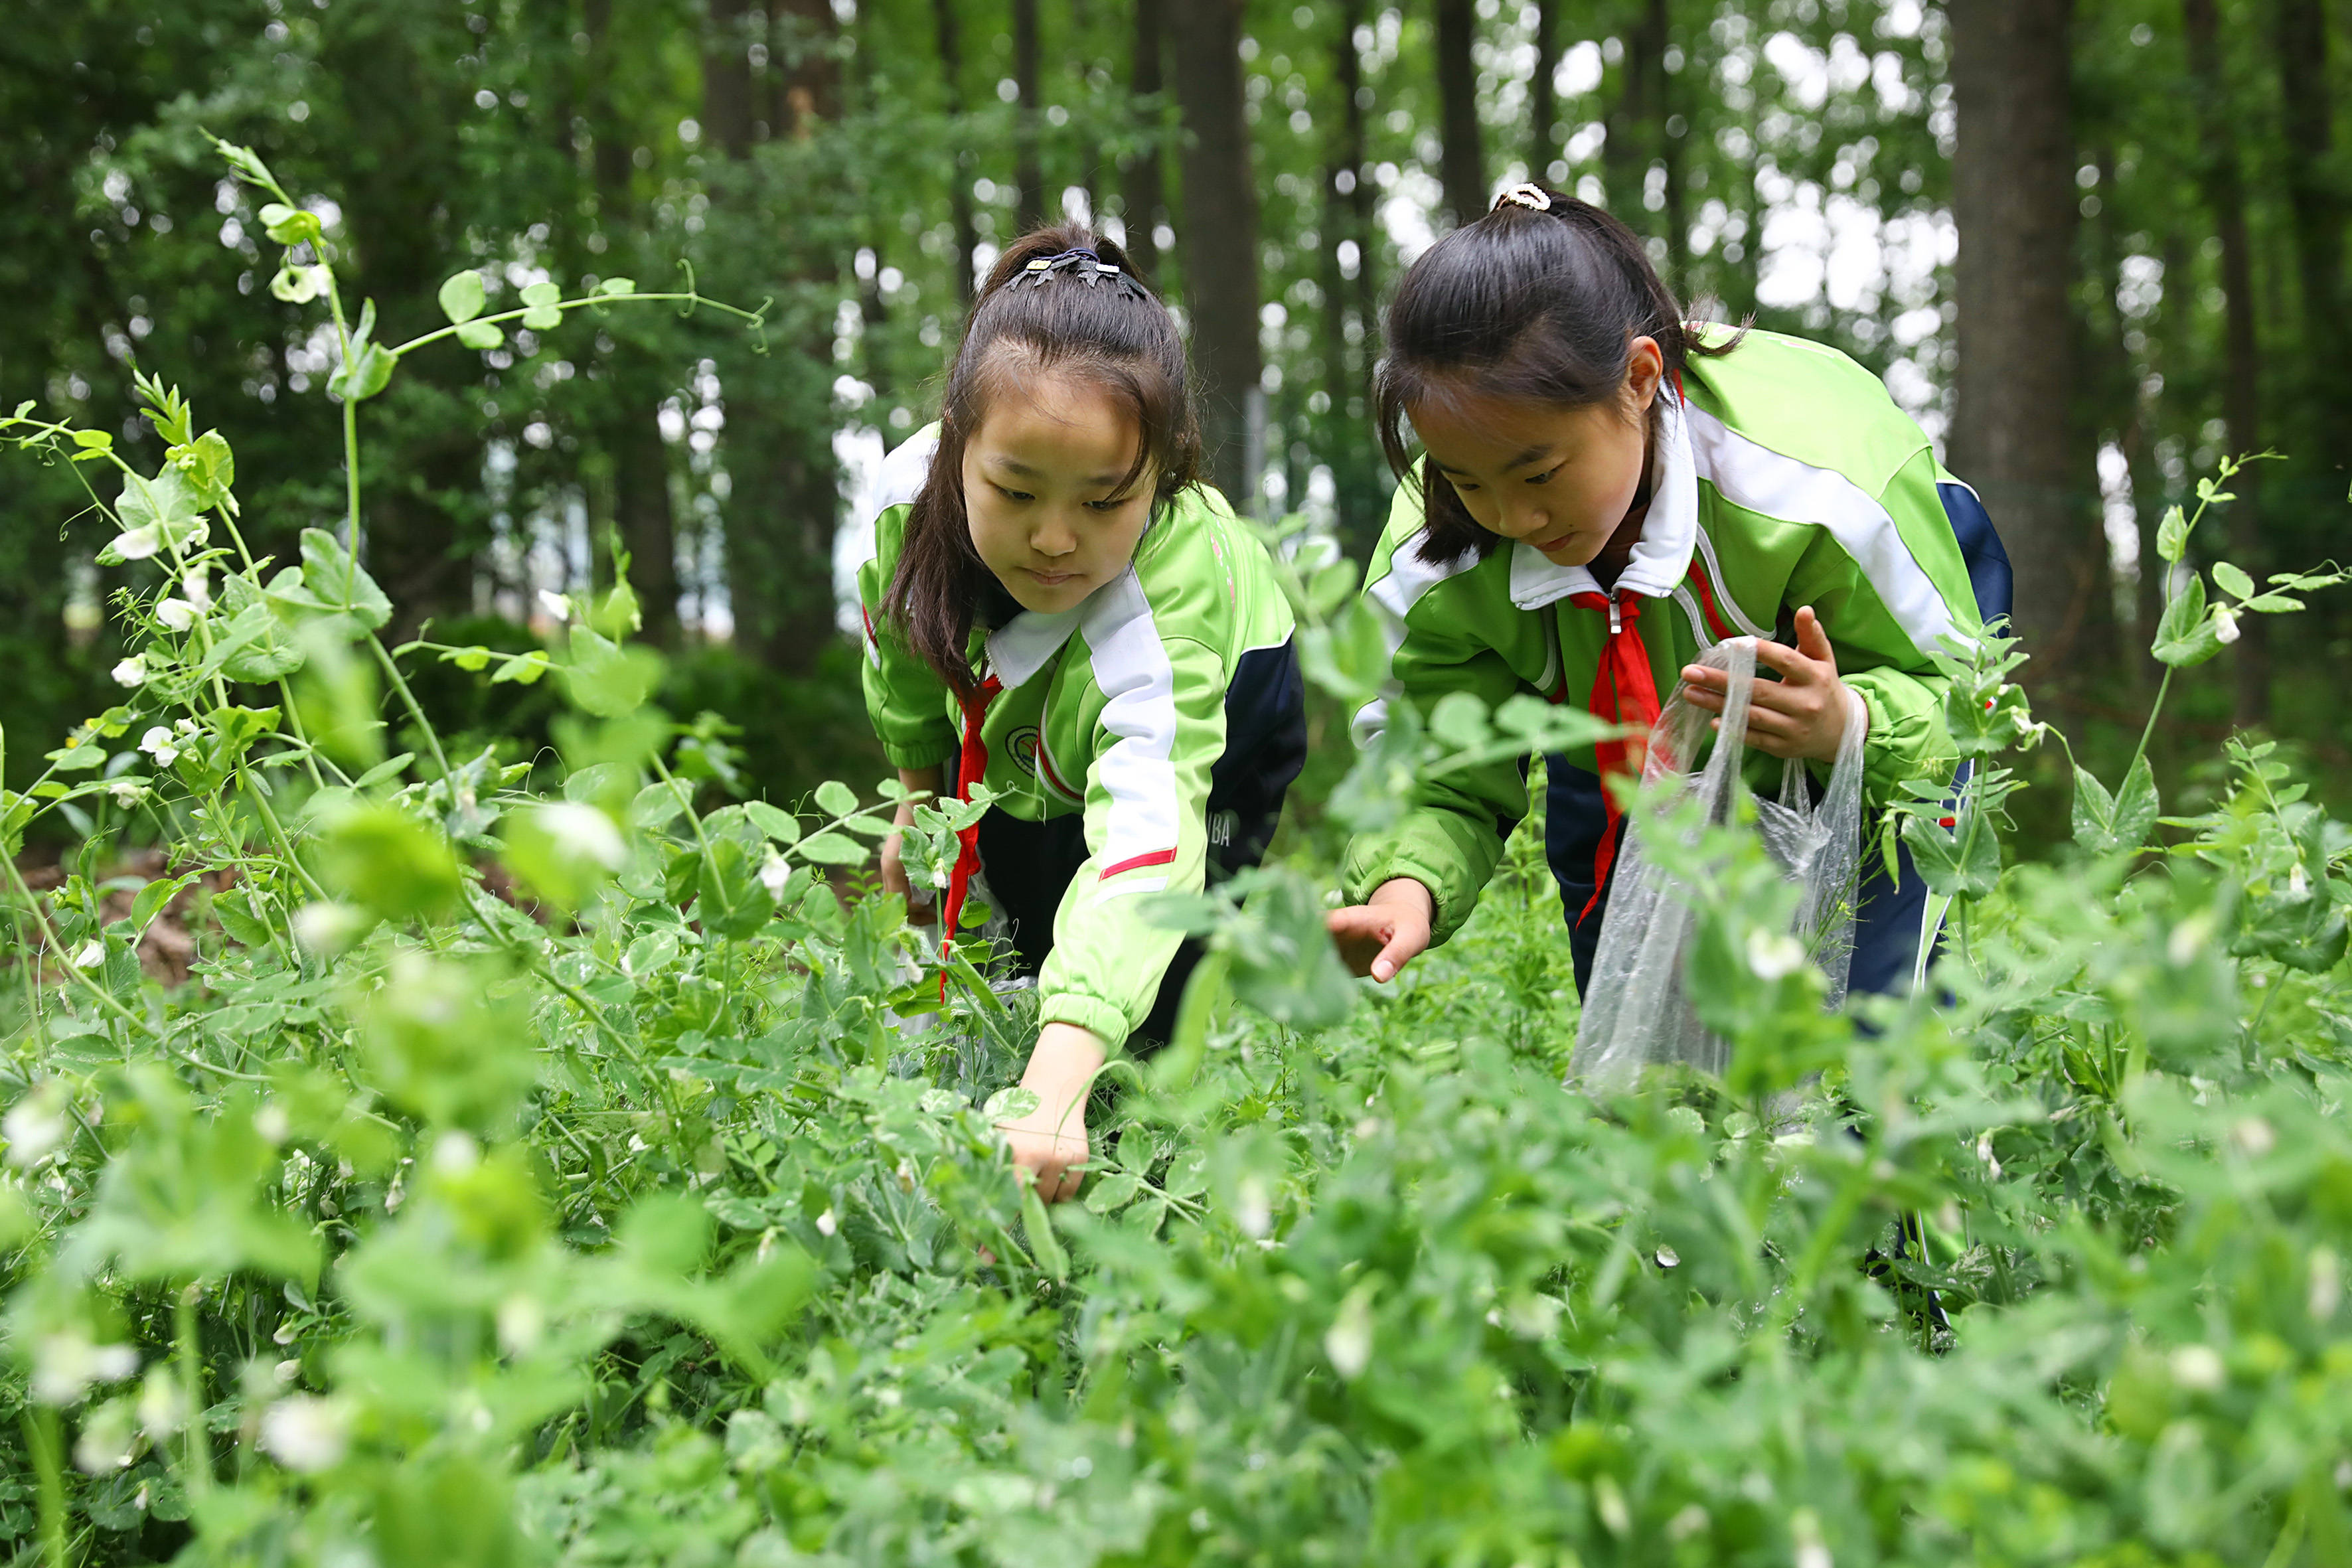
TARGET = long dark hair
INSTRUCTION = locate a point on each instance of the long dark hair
(1073, 318)
(1525, 305)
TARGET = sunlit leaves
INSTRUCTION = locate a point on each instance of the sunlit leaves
(461, 296)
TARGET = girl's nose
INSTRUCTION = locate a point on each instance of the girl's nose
(1053, 537)
(1527, 520)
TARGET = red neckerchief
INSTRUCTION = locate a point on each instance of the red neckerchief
(1624, 692)
(970, 766)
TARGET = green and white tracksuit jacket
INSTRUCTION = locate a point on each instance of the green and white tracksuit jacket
(1787, 477)
(1118, 708)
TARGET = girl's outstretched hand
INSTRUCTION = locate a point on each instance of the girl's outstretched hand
(920, 906)
(1803, 714)
(1385, 932)
(1049, 1144)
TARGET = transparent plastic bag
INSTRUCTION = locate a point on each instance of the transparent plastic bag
(1635, 1012)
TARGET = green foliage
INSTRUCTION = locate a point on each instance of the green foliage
(661, 1218)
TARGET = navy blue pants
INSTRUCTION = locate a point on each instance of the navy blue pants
(1886, 919)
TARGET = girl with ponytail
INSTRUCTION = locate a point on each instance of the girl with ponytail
(1602, 491)
(1059, 607)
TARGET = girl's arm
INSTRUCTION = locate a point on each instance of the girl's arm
(923, 782)
(1050, 1142)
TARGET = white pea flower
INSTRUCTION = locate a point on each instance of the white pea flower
(138, 544)
(1773, 954)
(127, 792)
(65, 1363)
(109, 1439)
(163, 1403)
(1349, 1341)
(157, 743)
(585, 833)
(197, 586)
(35, 1125)
(1252, 1208)
(184, 727)
(2199, 1368)
(556, 604)
(328, 928)
(306, 1434)
(177, 614)
(132, 671)
(774, 873)
(91, 954)
(2225, 622)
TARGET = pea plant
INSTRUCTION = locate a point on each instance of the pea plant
(568, 1164)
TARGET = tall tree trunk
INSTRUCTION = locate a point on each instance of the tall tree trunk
(1221, 237)
(2013, 201)
(1462, 162)
(727, 106)
(2224, 189)
(2316, 200)
(785, 503)
(1671, 128)
(1627, 126)
(1347, 333)
(641, 503)
(1543, 103)
(1029, 205)
(2125, 403)
(1144, 191)
(949, 33)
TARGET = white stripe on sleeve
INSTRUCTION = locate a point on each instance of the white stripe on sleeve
(1130, 665)
(1752, 476)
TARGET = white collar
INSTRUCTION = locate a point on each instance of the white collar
(1028, 642)
(1661, 556)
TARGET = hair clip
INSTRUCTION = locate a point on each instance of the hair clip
(1534, 198)
(1088, 265)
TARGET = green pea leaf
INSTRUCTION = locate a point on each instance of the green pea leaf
(461, 296)
(835, 798)
(615, 287)
(781, 825)
(369, 373)
(832, 849)
(2172, 536)
(541, 293)
(481, 334)
(2187, 636)
(2232, 580)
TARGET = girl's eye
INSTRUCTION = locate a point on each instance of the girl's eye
(1547, 474)
(1111, 505)
(1014, 495)
(1461, 486)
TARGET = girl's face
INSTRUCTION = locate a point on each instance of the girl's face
(1041, 490)
(1561, 479)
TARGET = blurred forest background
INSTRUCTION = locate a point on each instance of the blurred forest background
(2093, 244)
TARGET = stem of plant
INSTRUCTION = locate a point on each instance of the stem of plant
(198, 1479)
(408, 700)
(39, 1424)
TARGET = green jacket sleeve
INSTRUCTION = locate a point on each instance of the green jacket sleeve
(1163, 728)
(1452, 835)
(905, 699)
(1879, 652)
